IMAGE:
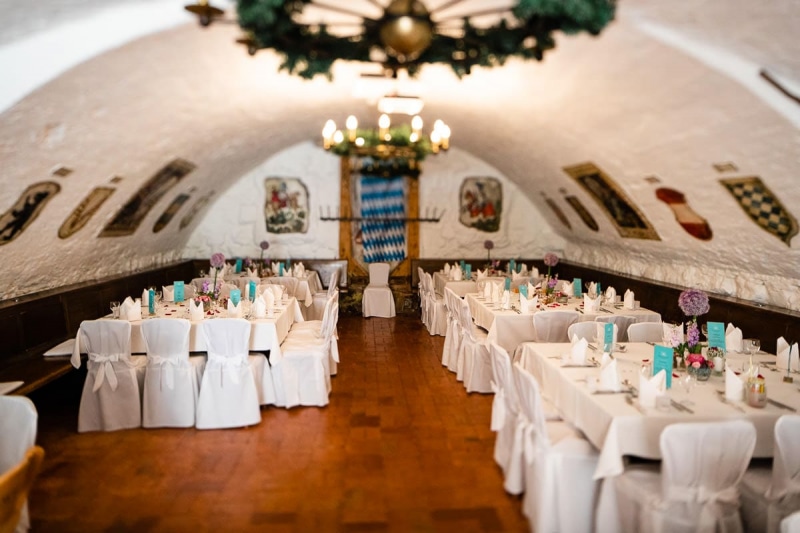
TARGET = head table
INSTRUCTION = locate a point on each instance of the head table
(509, 328)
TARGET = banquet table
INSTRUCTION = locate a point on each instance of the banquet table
(618, 428)
(265, 334)
(304, 287)
(509, 328)
(460, 287)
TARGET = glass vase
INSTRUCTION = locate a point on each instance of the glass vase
(702, 373)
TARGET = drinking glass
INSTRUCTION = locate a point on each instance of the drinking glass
(114, 309)
(688, 383)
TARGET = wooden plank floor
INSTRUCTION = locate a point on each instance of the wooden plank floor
(401, 447)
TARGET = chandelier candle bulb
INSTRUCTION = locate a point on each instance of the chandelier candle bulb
(416, 125)
(338, 137)
(445, 132)
(383, 124)
(352, 124)
(436, 139)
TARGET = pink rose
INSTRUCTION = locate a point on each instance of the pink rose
(696, 365)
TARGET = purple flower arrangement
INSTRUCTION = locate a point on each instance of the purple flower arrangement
(217, 262)
(693, 302)
(488, 244)
(551, 260)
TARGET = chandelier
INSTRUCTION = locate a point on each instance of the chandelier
(311, 35)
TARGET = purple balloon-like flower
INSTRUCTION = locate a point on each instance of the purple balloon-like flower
(264, 245)
(693, 302)
(217, 260)
(550, 259)
(488, 244)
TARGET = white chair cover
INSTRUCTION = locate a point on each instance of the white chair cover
(170, 391)
(791, 524)
(423, 300)
(474, 365)
(452, 339)
(505, 410)
(378, 299)
(645, 332)
(552, 326)
(228, 392)
(315, 330)
(696, 490)
(18, 419)
(559, 465)
(621, 321)
(582, 330)
(111, 397)
(437, 312)
(317, 308)
(770, 495)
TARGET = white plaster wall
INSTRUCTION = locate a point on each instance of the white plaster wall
(235, 224)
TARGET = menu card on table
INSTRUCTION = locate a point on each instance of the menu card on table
(251, 293)
(512, 265)
(716, 335)
(280, 269)
(238, 266)
(468, 271)
(577, 287)
(508, 284)
(523, 290)
(662, 360)
(608, 337)
(151, 301)
(236, 296)
(177, 292)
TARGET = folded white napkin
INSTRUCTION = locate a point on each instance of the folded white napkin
(299, 270)
(252, 272)
(733, 339)
(447, 269)
(277, 291)
(788, 357)
(523, 269)
(130, 310)
(234, 311)
(592, 289)
(577, 352)
(527, 305)
(168, 293)
(145, 298)
(275, 267)
(487, 290)
(457, 274)
(628, 299)
(269, 300)
(515, 275)
(534, 273)
(481, 274)
(506, 300)
(495, 293)
(260, 306)
(734, 386)
(566, 288)
(591, 305)
(196, 312)
(609, 379)
(652, 388)
(611, 294)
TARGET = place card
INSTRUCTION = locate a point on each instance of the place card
(508, 284)
(512, 265)
(662, 360)
(716, 335)
(151, 301)
(461, 264)
(577, 287)
(468, 271)
(177, 292)
(251, 293)
(236, 296)
(280, 268)
(238, 266)
(598, 288)
(608, 337)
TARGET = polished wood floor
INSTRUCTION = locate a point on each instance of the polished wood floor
(401, 447)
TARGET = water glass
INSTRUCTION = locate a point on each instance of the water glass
(114, 309)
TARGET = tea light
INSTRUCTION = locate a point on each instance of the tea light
(756, 392)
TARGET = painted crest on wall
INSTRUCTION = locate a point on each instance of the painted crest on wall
(132, 213)
(25, 210)
(286, 207)
(481, 203)
(693, 223)
(623, 213)
(584, 213)
(85, 211)
(762, 206)
(170, 212)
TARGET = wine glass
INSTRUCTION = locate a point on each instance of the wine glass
(688, 383)
(114, 308)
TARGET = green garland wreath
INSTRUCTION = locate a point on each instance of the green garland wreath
(310, 50)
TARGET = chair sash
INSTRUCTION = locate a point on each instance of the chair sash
(105, 369)
(230, 363)
(168, 366)
(712, 513)
(498, 407)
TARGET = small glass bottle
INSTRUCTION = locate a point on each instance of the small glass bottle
(647, 369)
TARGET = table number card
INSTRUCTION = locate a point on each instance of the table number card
(462, 264)
(251, 293)
(577, 287)
(598, 288)
(662, 360)
(512, 265)
(151, 301)
(468, 271)
(716, 335)
(177, 292)
(238, 266)
(608, 337)
(523, 290)
(508, 284)
(236, 296)
(280, 268)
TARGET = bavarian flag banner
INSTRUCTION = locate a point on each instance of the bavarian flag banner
(382, 200)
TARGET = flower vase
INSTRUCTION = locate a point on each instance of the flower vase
(719, 366)
(680, 362)
(208, 305)
(702, 373)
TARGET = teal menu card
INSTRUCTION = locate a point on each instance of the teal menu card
(662, 360)
(468, 271)
(280, 268)
(236, 296)
(716, 335)
(523, 290)
(251, 293)
(151, 301)
(238, 265)
(177, 292)
(608, 337)
(508, 284)
(577, 287)
(513, 265)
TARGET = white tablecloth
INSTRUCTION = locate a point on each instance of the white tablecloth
(265, 334)
(510, 328)
(462, 287)
(618, 429)
(302, 288)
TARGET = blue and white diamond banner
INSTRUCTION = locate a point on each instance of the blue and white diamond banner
(383, 240)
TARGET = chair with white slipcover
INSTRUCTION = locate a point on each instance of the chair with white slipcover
(696, 488)
(791, 524)
(452, 338)
(646, 332)
(169, 398)
(111, 397)
(622, 322)
(18, 420)
(437, 313)
(474, 366)
(552, 326)
(378, 299)
(15, 484)
(582, 330)
(320, 299)
(505, 410)
(228, 392)
(423, 302)
(314, 329)
(559, 464)
(771, 494)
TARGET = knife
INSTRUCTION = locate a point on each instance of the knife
(776, 403)
(578, 309)
(629, 400)
(605, 310)
(680, 407)
(724, 400)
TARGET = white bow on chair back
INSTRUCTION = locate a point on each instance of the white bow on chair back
(167, 344)
(227, 343)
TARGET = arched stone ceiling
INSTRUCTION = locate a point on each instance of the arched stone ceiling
(628, 101)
